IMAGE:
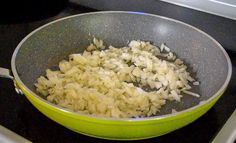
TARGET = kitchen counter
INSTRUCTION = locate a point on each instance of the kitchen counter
(18, 115)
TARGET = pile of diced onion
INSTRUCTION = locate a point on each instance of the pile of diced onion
(126, 82)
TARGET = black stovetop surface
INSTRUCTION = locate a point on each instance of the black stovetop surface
(18, 115)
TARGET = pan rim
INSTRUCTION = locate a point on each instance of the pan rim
(220, 90)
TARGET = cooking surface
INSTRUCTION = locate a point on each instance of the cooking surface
(18, 115)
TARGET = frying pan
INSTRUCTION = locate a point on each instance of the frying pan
(46, 46)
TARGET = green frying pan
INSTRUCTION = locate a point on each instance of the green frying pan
(46, 46)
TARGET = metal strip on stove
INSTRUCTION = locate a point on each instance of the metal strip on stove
(224, 8)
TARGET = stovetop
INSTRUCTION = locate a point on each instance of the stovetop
(18, 115)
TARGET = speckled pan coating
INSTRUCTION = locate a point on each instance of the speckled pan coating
(48, 45)
(55, 42)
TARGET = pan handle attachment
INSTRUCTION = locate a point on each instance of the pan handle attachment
(5, 73)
